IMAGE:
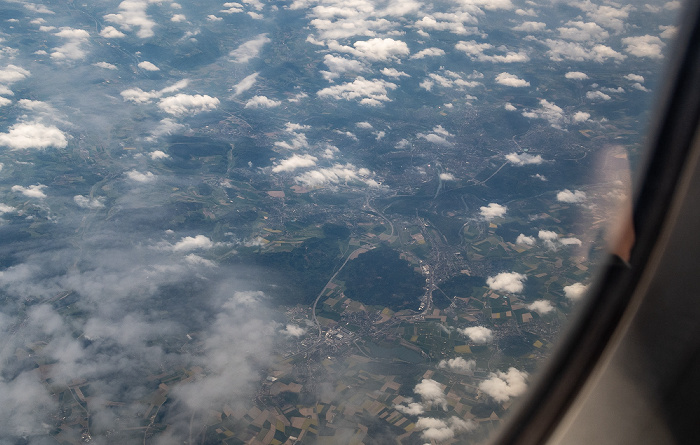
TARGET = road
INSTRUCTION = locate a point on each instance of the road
(313, 311)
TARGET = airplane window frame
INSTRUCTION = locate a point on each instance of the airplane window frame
(672, 133)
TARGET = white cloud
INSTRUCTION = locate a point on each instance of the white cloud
(132, 13)
(570, 241)
(575, 291)
(478, 334)
(439, 430)
(73, 48)
(457, 364)
(410, 409)
(597, 95)
(562, 50)
(262, 102)
(525, 240)
(245, 84)
(6, 91)
(431, 393)
(197, 260)
(249, 49)
(452, 22)
(526, 12)
(576, 75)
(369, 92)
(530, 27)
(158, 154)
(182, 104)
(178, 18)
(644, 46)
(668, 32)
(393, 72)
(110, 32)
(137, 176)
(428, 52)
(33, 191)
(295, 162)
(583, 32)
(292, 330)
(635, 78)
(33, 135)
(340, 65)
(87, 202)
(447, 177)
(542, 307)
(335, 175)
(374, 49)
(40, 9)
(581, 116)
(105, 65)
(4, 208)
(492, 210)
(165, 126)
(568, 196)
(511, 282)
(509, 107)
(552, 113)
(501, 386)
(5, 101)
(364, 125)
(13, 73)
(190, 243)
(148, 66)
(640, 87)
(476, 51)
(608, 16)
(524, 159)
(511, 80)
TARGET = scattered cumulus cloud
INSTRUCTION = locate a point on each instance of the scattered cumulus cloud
(548, 111)
(295, 162)
(542, 307)
(439, 430)
(576, 75)
(249, 49)
(27, 135)
(447, 177)
(105, 65)
(524, 159)
(511, 282)
(597, 95)
(525, 240)
(492, 210)
(394, 73)
(575, 292)
(87, 202)
(190, 243)
(110, 32)
(262, 102)
(428, 52)
(580, 116)
(183, 104)
(137, 176)
(336, 174)
(132, 14)
(501, 386)
(511, 80)
(368, 92)
(568, 196)
(33, 191)
(148, 66)
(431, 393)
(644, 46)
(478, 334)
(13, 73)
(292, 330)
(457, 364)
(530, 27)
(477, 52)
